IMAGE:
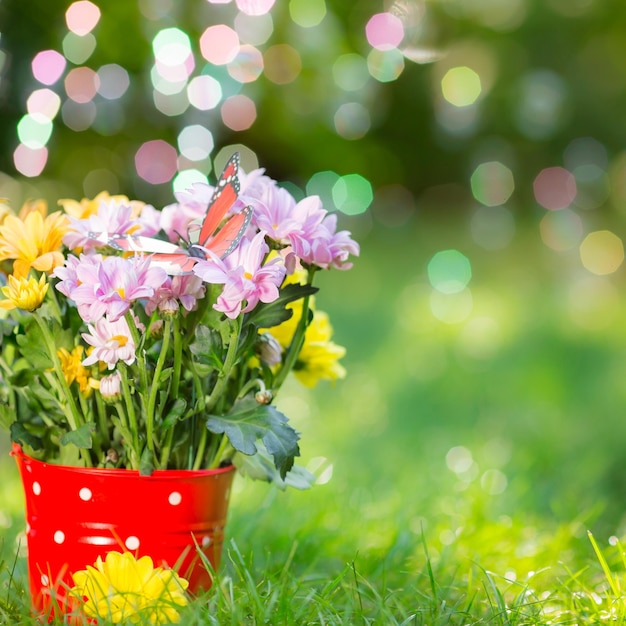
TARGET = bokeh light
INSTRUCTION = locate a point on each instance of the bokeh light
(114, 81)
(282, 64)
(561, 230)
(492, 183)
(254, 29)
(255, 7)
(44, 102)
(352, 120)
(78, 116)
(219, 44)
(247, 65)
(461, 86)
(384, 31)
(34, 130)
(601, 252)
(238, 112)
(195, 142)
(307, 13)
(173, 56)
(77, 49)
(554, 188)
(81, 84)
(350, 72)
(204, 92)
(321, 184)
(385, 65)
(449, 271)
(30, 161)
(352, 194)
(187, 178)
(82, 17)
(48, 66)
(156, 161)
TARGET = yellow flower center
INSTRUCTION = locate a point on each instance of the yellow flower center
(120, 339)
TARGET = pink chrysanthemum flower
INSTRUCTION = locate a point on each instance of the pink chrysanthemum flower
(186, 289)
(113, 218)
(246, 280)
(112, 285)
(111, 341)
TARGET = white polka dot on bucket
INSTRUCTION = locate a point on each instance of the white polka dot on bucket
(36, 488)
(132, 542)
(45, 581)
(206, 541)
(175, 498)
(85, 494)
(59, 536)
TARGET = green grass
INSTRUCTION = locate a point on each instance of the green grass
(468, 465)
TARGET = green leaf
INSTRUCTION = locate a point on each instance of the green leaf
(146, 464)
(276, 312)
(248, 421)
(81, 437)
(32, 347)
(261, 467)
(7, 416)
(174, 414)
(20, 435)
(166, 374)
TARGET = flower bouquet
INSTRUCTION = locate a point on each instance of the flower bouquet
(152, 340)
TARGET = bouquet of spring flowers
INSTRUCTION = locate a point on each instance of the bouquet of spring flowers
(145, 339)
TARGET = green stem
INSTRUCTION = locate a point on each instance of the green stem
(139, 353)
(154, 389)
(297, 340)
(217, 459)
(130, 413)
(229, 362)
(178, 357)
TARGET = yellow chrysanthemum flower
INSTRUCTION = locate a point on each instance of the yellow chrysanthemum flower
(319, 356)
(74, 370)
(123, 589)
(34, 239)
(24, 293)
(87, 207)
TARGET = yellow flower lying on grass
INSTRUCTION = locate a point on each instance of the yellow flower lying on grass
(33, 239)
(123, 589)
(24, 293)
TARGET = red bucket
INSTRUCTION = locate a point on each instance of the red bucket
(74, 515)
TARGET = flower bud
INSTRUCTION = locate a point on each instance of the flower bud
(156, 328)
(263, 397)
(269, 350)
(110, 387)
(169, 306)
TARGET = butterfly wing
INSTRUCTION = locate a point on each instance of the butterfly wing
(137, 243)
(230, 234)
(223, 198)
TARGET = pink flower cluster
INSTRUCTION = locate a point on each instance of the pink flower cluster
(106, 288)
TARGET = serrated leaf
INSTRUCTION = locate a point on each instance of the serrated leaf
(261, 467)
(276, 312)
(31, 345)
(22, 378)
(81, 437)
(248, 421)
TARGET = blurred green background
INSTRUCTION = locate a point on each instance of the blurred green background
(475, 150)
